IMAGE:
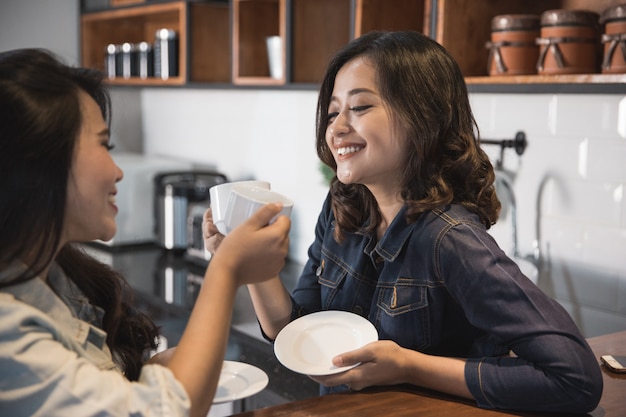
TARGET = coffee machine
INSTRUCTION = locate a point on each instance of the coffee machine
(181, 198)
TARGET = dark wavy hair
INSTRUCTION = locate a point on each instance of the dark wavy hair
(425, 90)
(40, 121)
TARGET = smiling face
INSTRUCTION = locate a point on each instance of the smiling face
(90, 207)
(367, 143)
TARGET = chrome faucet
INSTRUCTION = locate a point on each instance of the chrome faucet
(506, 183)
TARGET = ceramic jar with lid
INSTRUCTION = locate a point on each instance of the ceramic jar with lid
(569, 42)
(512, 49)
(614, 39)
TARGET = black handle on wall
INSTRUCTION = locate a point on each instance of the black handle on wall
(519, 143)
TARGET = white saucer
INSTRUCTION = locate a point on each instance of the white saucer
(307, 345)
(239, 380)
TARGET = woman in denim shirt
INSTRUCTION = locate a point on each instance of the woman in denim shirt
(71, 342)
(402, 240)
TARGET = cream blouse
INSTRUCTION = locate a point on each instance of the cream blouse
(54, 360)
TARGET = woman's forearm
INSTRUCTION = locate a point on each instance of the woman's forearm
(438, 373)
(196, 361)
(272, 305)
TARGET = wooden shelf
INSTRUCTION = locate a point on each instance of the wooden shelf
(549, 79)
(463, 28)
(393, 15)
(202, 30)
(223, 42)
(253, 22)
(147, 82)
(549, 84)
(321, 27)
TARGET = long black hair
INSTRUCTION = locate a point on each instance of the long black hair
(40, 121)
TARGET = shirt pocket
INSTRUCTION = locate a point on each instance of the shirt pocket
(404, 314)
(330, 276)
(341, 288)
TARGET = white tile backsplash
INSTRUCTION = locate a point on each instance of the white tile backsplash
(570, 190)
(562, 239)
(597, 202)
(621, 118)
(606, 160)
(596, 115)
(605, 248)
(569, 184)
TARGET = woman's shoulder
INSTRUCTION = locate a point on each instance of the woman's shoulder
(13, 308)
(450, 216)
(19, 317)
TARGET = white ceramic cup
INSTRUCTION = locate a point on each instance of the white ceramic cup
(219, 196)
(246, 200)
(275, 56)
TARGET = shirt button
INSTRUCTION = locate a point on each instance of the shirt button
(320, 269)
(358, 310)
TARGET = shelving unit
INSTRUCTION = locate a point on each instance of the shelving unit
(468, 46)
(223, 42)
(321, 27)
(203, 38)
(391, 15)
(253, 22)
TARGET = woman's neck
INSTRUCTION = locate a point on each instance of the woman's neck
(389, 204)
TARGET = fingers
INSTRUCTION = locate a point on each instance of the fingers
(208, 216)
(354, 356)
(210, 234)
(208, 227)
(352, 379)
(256, 250)
(263, 216)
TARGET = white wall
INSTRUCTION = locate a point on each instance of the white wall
(51, 24)
(570, 193)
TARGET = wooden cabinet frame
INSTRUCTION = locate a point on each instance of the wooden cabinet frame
(253, 22)
(223, 42)
(463, 27)
(202, 30)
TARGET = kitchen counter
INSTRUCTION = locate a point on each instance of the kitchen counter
(166, 285)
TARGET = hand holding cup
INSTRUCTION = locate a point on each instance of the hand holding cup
(229, 208)
(220, 196)
(256, 249)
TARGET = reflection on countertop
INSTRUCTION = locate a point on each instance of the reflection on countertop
(166, 285)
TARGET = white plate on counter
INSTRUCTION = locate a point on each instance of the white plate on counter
(308, 344)
(239, 380)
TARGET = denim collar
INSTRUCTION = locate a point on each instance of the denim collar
(71, 311)
(393, 240)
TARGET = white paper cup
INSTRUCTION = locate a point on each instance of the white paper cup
(219, 196)
(245, 201)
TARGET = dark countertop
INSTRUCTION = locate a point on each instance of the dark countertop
(166, 285)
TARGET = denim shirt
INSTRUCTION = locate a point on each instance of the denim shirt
(54, 360)
(442, 286)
